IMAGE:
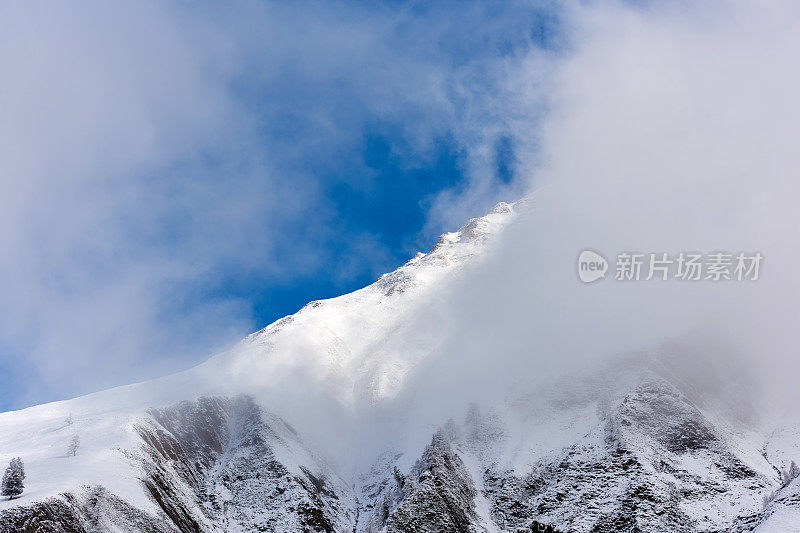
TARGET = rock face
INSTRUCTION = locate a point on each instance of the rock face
(221, 456)
(96, 510)
(437, 495)
(634, 472)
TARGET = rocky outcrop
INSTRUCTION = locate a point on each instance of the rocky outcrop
(654, 463)
(437, 495)
(93, 511)
(54, 515)
(220, 456)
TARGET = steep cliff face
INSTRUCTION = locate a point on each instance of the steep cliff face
(223, 464)
(652, 463)
(242, 468)
(438, 494)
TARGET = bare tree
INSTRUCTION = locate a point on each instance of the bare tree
(74, 444)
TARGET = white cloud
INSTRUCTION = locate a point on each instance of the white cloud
(670, 129)
(101, 103)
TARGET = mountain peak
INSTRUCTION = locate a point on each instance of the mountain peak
(362, 341)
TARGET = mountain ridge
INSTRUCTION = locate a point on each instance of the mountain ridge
(639, 443)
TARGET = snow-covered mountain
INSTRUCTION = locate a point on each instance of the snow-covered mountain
(632, 445)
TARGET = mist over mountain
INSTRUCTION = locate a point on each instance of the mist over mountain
(481, 386)
(354, 415)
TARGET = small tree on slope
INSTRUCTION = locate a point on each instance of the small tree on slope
(74, 444)
(12, 479)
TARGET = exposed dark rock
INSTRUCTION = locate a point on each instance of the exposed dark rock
(53, 515)
(440, 494)
(97, 511)
(627, 476)
(216, 453)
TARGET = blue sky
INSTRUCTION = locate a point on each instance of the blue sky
(177, 176)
